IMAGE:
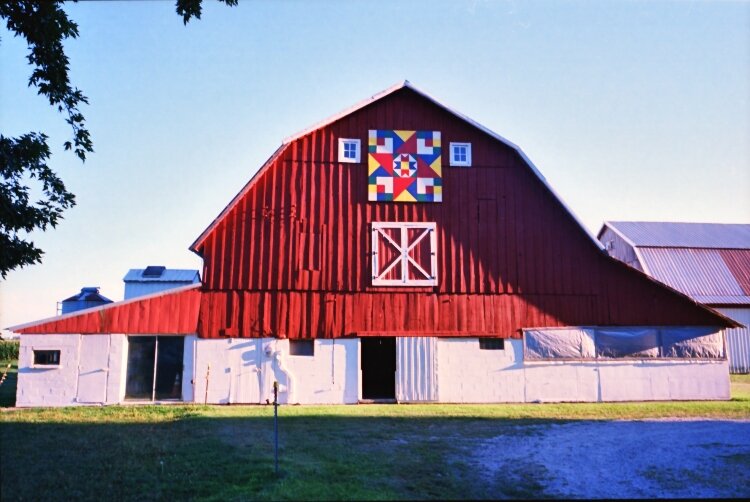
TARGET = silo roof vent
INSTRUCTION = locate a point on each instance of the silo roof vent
(154, 271)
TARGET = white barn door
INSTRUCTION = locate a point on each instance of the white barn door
(93, 368)
(245, 358)
(416, 369)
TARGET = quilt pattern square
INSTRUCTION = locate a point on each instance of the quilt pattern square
(404, 166)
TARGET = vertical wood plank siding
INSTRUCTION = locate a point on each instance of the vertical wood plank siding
(170, 312)
(291, 256)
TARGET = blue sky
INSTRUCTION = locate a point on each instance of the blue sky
(632, 110)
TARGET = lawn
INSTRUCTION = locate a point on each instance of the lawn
(327, 452)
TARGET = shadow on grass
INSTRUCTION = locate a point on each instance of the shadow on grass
(188, 457)
(9, 385)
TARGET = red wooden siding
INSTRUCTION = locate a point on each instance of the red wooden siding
(631, 300)
(291, 257)
(172, 312)
(527, 240)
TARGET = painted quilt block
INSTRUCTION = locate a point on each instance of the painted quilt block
(404, 166)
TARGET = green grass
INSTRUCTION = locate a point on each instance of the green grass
(740, 387)
(8, 387)
(327, 452)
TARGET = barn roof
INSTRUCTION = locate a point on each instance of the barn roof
(166, 275)
(175, 311)
(710, 262)
(683, 235)
(376, 97)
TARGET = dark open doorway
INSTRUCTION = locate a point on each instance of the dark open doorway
(378, 368)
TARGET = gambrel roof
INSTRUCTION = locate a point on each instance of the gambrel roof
(366, 102)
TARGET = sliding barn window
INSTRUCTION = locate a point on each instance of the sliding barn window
(404, 254)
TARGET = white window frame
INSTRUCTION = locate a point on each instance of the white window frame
(460, 163)
(357, 148)
(403, 246)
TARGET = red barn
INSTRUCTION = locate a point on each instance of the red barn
(397, 251)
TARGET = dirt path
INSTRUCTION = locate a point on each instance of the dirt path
(637, 459)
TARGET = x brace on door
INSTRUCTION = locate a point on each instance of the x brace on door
(404, 248)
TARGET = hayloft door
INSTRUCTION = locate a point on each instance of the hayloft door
(93, 368)
(378, 364)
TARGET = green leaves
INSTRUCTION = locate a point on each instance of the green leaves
(45, 26)
(23, 160)
(193, 8)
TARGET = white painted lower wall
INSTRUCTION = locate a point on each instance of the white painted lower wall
(236, 370)
(637, 380)
(467, 374)
(92, 370)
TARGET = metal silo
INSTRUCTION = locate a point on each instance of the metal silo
(87, 298)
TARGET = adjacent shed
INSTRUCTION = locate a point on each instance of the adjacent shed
(710, 262)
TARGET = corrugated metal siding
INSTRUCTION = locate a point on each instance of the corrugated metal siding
(416, 369)
(616, 247)
(503, 240)
(169, 313)
(691, 235)
(738, 340)
(704, 274)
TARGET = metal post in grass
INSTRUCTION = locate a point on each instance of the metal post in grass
(276, 425)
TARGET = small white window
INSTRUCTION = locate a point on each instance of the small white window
(461, 154)
(349, 150)
(404, 254)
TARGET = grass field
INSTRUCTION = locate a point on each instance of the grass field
(8, 387)
(327, 452)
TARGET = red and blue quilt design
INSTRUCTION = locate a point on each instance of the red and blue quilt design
(404, 166)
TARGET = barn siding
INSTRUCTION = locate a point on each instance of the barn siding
(738, 340)
(290, 256)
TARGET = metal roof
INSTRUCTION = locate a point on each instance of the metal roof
(710, 276)
(88, 294)
(169, 275)
(682, 235)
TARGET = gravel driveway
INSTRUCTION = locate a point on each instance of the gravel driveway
(618, 459)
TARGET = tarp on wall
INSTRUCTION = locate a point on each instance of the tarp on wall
(623, 342)
(559, 343)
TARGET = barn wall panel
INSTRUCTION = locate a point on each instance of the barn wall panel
(47, 386)
(172, 312)
(738, 340)
(416, 369)
(635, 380)
(243, 371)
(91, 370)
(467, 374)
(299, 314)
(304, 226)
